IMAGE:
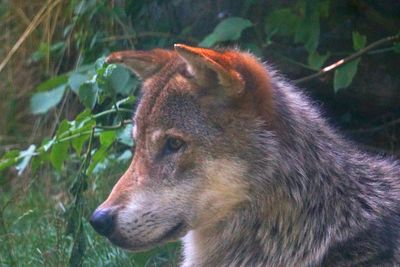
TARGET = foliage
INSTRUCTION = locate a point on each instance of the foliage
(98, 134)
(229, 29)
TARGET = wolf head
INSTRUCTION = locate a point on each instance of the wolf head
(197, 130)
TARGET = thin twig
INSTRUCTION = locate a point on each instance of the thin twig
(348, 59)
(32, 26)
(114, 127)
(294, 62)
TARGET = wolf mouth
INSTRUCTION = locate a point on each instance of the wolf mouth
(170, 235)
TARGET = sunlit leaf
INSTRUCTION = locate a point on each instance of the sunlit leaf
(107, 138)
(43, 101)
(344, 75)
(229, 29)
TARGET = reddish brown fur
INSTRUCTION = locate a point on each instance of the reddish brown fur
(256, 96)
(260, 178)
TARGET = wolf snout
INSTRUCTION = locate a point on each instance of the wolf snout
(102, 220)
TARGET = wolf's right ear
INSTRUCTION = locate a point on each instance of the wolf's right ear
(143, 63)
(210, 66)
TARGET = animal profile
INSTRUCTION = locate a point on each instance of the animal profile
(240, 165)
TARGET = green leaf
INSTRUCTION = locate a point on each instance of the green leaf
(63, 127)
(78, 142)
(88, 94)
(100, 63)
(58, 154)
(308, 29)
(229, 29)
(316, 61)
(9, 159)
(124, 135)
(101, 155)
(281, 22)
(82, 124)
(121, 81)
(359, 41)
(344, 75)
(324, 6)
(107, 138)
(43, 101)
(75, 81)
(59, 150)
(52, 83)
(26, 156)
(45, 50)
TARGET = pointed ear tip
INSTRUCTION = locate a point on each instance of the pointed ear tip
(180, 47)
(113, 58)
(186, 50)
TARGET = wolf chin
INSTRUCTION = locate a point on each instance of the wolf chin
(240, 165)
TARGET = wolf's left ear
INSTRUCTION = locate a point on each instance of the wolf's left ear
(143, 63)
(208, 65)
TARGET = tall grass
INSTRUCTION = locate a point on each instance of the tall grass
(34, 223)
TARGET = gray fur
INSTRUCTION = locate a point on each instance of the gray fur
(341, 204)
(249, 189)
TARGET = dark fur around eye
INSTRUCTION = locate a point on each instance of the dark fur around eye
(173, 145)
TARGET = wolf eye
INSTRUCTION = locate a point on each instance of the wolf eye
(173, 144)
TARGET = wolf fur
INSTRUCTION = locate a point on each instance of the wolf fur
(261, 178)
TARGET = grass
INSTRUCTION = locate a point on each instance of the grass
(33, 227)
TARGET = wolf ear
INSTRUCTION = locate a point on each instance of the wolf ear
(206, 65)
(143, 63)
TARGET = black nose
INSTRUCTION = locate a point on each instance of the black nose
(102, 221)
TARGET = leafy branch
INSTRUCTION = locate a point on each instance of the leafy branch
(348, 59)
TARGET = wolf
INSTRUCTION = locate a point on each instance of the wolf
(240, 165)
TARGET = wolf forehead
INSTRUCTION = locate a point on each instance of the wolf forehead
(177, 84)
(173, 107)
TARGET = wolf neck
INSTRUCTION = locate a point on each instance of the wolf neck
(291, 224)
(249, 239)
